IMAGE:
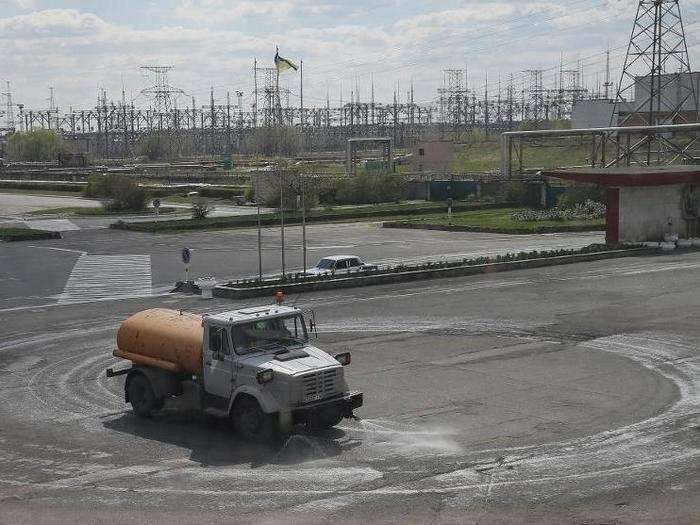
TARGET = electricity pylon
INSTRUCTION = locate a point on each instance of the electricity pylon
(656, 85)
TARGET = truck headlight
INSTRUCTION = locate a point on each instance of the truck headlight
(344, 358)
(265, 376)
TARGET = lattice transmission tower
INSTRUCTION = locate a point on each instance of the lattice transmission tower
(656, 85)
(162, 92)
(9, 111)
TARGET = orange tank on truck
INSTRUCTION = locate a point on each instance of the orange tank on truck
(166, 339)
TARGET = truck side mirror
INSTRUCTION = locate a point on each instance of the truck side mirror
(313, 327)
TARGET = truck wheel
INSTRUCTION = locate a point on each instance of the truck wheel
(325, 419)
(141, 395)
(251, 422)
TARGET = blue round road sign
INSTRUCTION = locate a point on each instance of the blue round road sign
(186, 255)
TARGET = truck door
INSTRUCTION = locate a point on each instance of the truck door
(218, 362)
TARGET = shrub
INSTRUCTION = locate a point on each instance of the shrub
(515, 191)
(288, 186)
(123, 192)
(249, 194)
(580, 194)
(201, 209)
(39, 145)
(100, 186)
(163, 146)
(127, 195)
(367, 188)
(274, 141)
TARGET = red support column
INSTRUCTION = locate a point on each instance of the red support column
(612, 218)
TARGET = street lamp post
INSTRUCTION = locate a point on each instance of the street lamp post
(259, 245)
(282, 224)
(302, 205)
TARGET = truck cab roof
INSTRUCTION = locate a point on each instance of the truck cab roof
(245, 315)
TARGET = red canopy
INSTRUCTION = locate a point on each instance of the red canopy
(629, 176)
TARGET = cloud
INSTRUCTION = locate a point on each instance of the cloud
(51, 22)
(21, 4)
(213, 42)
(227, 11)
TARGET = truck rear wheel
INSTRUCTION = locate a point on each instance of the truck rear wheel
(141, 395)
(251, 423)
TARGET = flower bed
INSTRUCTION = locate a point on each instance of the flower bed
(589, 210)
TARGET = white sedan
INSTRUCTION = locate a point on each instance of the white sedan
(339, 264)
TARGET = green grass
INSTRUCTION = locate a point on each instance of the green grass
(486, 156)
(499, 220)
(374, 212)
(25, 234)
(98, 211)
(70, 188)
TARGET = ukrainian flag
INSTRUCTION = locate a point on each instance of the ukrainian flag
(283, 64)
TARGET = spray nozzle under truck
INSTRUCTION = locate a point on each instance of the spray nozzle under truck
(254, 365)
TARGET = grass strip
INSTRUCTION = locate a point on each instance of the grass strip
(494, 221)
(26, 234)
(268, 219)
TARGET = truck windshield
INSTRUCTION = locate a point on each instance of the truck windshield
(269, 334)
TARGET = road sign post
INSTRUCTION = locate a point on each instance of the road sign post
(186, 259)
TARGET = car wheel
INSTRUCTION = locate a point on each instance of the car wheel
(251, 423)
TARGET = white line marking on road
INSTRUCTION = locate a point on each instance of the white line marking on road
(100, 277)
(81, 252)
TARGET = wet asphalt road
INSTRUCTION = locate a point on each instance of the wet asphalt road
(564, 394)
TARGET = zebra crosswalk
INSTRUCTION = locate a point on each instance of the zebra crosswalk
(102, 277)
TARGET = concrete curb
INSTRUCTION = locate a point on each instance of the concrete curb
(480, 229)
(233, 292)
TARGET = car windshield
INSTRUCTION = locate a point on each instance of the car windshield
(325, 264)
(269, 334)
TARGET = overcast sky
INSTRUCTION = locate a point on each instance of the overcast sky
(80, 46)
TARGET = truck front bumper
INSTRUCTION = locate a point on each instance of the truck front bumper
(344, 405)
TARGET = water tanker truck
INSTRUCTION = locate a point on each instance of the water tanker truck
(254, 365)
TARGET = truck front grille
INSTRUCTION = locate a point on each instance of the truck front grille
(319, 385)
